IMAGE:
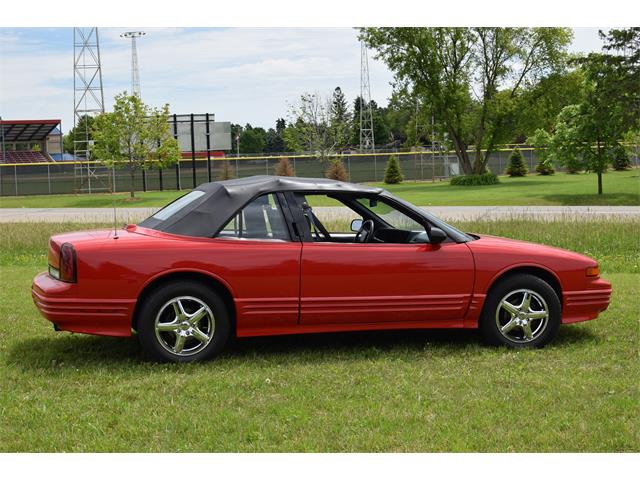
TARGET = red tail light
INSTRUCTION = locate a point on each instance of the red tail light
(68, 263)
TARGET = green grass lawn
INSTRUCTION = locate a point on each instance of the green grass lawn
(621, 188)
(394, 391)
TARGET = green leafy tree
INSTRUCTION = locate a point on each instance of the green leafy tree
(517, 167)
(593, 130)
(392, 172)
(541, 140)
(134, 136)
(471, 77)
(310, 127)
(253, 140)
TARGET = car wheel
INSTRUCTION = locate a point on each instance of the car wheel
(183, 322)
(521, 311)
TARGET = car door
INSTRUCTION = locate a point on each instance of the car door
(260, 258)
(385, 282)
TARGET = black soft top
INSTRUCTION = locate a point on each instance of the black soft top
(220, 200)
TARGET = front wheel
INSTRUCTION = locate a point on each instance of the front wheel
(521, 311)
(183, 322)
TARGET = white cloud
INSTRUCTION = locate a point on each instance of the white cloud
(240, 74)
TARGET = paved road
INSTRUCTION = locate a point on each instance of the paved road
(126, 215)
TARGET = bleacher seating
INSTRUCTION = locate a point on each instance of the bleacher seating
(23, 156)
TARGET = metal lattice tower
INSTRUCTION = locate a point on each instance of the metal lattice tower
(367, 140)
(135, 70)
(88, 95)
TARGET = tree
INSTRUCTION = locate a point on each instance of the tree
(471, 77)
(593, 130)
(134, 136)
(541, 141)
(339, 119)
(253, 140)
(392, 172)
(80, 133)
(565, 145)
(621, 159)
(310, 127)
(275, 139)
(336, 170)
(516, 167)
(284, 168)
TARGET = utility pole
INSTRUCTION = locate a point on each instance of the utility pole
(135, 71)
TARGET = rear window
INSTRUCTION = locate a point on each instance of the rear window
(177, 205)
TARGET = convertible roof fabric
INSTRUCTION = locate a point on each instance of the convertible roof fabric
(206, 215)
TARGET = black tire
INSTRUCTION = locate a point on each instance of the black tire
(190, 296)
(514, 287)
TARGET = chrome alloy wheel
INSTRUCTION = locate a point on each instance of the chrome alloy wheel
(522, 315)
(185, 326)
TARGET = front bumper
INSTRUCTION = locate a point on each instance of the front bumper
(582, 305)
(64, 305)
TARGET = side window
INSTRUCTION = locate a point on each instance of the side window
(390, 215)
(334, 215)
(261, 219)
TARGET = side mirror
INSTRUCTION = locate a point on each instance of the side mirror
(436, 236)
(356, 225)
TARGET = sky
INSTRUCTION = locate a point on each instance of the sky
(242, 75)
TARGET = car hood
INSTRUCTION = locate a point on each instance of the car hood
(485, 243)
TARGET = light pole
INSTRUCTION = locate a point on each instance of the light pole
(135, 72)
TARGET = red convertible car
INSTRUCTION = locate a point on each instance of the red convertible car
(282, 255)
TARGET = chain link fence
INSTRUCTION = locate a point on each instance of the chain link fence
(69, 177)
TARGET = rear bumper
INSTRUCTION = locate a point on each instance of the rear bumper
(62, 304)
(582, 305)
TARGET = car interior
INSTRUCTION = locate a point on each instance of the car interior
(357, 219)
(330, 217)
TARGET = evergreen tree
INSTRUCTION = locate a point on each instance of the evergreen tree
(516, 167)
(392, 173)
(336, 170)
(621, 159)
(339, 118)
(284, 168)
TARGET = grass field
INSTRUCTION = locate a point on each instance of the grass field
(396, 391)
(621, 188)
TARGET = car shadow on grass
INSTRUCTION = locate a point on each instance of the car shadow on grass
(92, 352)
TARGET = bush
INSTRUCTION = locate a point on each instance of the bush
(225, 172)
(487, 178)
(336, 171)
(621, 159)
(392, 172)
(284, 168)
(545, 167)
(516, 167)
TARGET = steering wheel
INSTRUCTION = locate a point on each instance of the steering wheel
(365, 233)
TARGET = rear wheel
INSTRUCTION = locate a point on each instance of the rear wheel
(521, 311)
(183, 322)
